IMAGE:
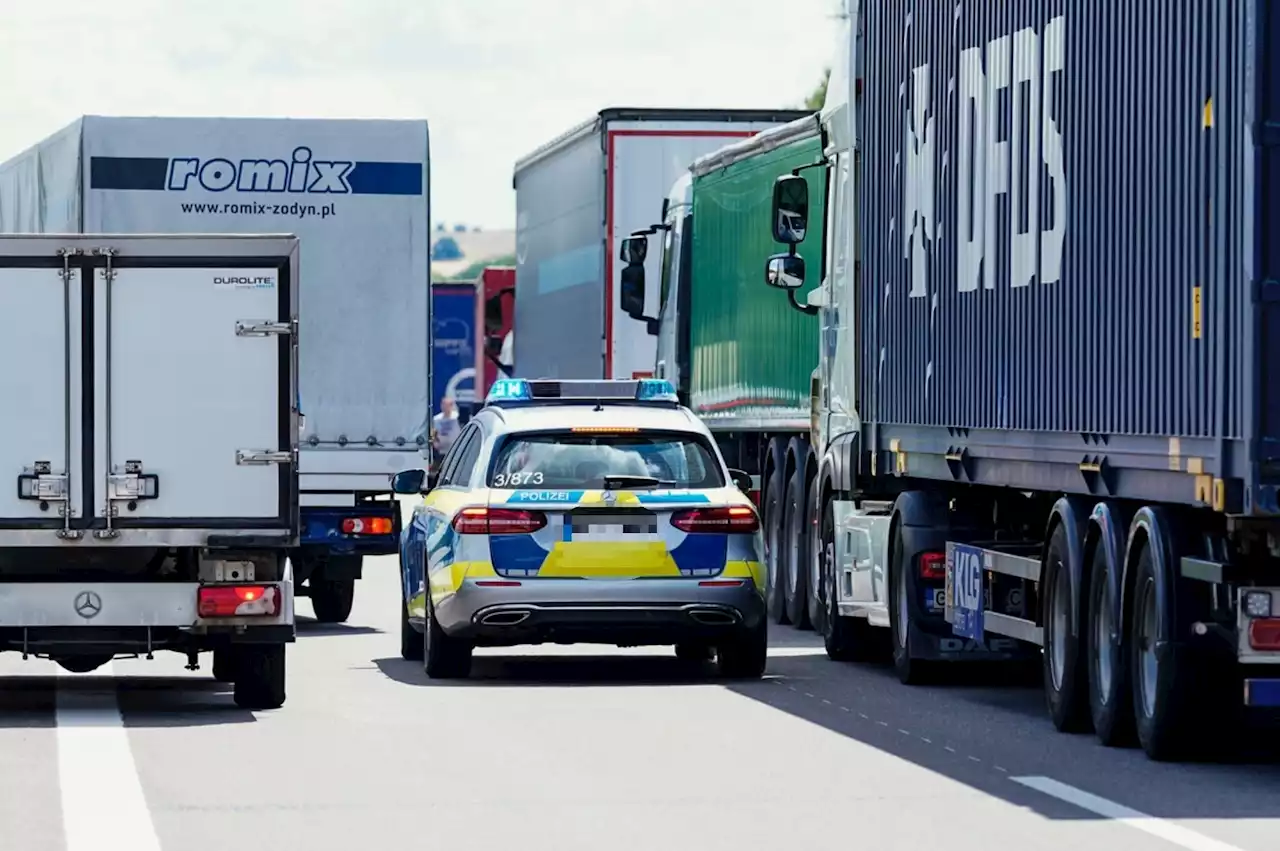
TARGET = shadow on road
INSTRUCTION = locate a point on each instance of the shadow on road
(311, 627)
(142, 701)
(557, 672)
(983, 725)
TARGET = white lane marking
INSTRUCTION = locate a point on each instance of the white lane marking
(103, 806)
(1178, 835)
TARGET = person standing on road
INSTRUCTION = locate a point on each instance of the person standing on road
(445, 426)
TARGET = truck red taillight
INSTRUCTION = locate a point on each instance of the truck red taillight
(730, 518)
(366, 526)
(236, 601)
(933, 566)
(1264, 633)
(498, 521)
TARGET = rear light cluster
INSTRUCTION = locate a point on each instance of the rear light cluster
(366, 526)
(498, 521)
(1264, 634)
(237, 601)
(731, 518)
(933, 566)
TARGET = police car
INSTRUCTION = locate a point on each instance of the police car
(583, 512)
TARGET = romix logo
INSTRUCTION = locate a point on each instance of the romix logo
(303, 171)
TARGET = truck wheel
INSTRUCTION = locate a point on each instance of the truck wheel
(1159, 679)
(795, 551)
(331, 599)
(1065, 678)
(910, 671)
(845, 639)
(1110, 702)
(224, 665)
(817, 585)
(445, 658)
(260, 677)
(776, 599)
(411, 641)
(746, 655)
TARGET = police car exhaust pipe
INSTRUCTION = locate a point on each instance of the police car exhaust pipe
(712, 617)
(504, 618)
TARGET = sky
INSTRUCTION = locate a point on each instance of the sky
(494, 78)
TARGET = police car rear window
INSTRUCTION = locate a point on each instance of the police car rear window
(583, 461)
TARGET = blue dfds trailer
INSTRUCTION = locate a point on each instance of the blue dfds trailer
(1046, 423)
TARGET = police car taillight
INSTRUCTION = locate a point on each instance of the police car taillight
(498, 521)
(730, 518)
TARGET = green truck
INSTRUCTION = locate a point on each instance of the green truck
(739, 358)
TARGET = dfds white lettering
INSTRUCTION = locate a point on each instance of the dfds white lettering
(989, 167)
(918, 181)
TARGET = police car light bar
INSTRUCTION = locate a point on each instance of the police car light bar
(506, 391)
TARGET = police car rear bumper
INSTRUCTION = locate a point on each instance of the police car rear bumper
(632, 611)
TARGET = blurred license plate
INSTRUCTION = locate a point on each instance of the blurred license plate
(935, 599)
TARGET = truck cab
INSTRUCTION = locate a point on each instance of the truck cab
(673, 299)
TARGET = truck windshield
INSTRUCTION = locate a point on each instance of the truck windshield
(567, 460)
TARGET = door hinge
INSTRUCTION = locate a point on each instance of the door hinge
(264, 328)
(264, 456)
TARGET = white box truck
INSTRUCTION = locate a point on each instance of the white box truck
(577, 197)
(149, 440)
(355, 192)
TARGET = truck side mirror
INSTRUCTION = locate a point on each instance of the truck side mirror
(634, 249)
(790, 209)
(785, 271)
(633, 291)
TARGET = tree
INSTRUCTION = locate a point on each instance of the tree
(819, 94)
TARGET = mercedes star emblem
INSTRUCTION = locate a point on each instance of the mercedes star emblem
(88, 604)
(610, 498)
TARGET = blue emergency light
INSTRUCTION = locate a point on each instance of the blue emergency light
(506, 391)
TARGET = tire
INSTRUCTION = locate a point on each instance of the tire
(411, 641)
(1110, 700)
(260, 677)
(1159, 682)
(225, 663)
(795, 551)
(745, 656)
(772, 517)
(1065, 674)
(331, 599)
(444, 657)
(817, 588)
(694, 653)
(845, 639)
(910, 671)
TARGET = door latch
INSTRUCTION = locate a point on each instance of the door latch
(255, 457)
(263, 328)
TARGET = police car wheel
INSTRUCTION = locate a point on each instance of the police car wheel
(260, 677)
(445, 658)
(694, 653)
(746, 655)
(411, 641)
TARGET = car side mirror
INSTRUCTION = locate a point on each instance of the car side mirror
(790, 209)
(409, 482)
(741, 479)
(633, 291)
(785, 271)
(634, 250)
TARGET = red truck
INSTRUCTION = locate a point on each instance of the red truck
(495, 321)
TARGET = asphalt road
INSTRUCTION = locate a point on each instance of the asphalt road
(580, 748)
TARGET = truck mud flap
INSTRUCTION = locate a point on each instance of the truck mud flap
(928, 646)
